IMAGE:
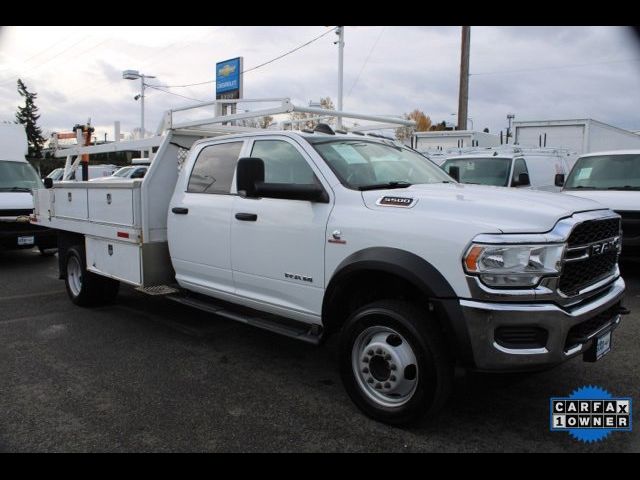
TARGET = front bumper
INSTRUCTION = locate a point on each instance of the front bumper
(562, 342)
(11, 231)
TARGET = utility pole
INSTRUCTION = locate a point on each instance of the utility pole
(510, 117)
(340, 42)
(463, 97)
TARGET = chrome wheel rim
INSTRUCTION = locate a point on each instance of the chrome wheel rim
(74, 276)
(385, 366)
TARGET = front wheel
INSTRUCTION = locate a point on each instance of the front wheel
(85, 288)
(394, 362)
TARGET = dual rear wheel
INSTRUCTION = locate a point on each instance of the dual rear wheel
(86, 288)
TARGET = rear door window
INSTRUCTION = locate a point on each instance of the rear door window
(214, 168)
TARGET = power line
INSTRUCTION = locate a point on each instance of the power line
(558, 67)
(47, 61)
(46, 49)
(291, 51)
(258, 66)
(172, 93)
(366, 60)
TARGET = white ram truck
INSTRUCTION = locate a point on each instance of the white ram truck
(313, 233)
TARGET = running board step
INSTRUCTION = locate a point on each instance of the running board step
(158, 290)
(289, 328)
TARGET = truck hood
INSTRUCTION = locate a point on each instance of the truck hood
(613, 199)
(15, 201)
(495, 209)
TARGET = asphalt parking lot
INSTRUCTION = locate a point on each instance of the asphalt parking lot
(146, 374)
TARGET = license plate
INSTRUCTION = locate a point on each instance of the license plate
(26, 240)
(603, 345)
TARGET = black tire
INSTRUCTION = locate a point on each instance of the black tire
(434, 377)
(89, 290)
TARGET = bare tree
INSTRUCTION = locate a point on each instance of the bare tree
(325, 103)
(265, 121)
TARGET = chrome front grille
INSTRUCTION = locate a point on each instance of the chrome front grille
(593, 248)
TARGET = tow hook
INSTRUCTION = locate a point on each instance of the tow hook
(623, 310)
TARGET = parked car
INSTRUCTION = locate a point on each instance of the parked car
(314, 233)
(510, 167)
(95, 171)
(18, 179)
(612, 179)
(124, 173)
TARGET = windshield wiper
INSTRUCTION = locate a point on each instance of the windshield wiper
(582, 187)
(15, 189)
(377, 186)
(626, 187)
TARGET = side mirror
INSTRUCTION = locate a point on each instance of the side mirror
(559, 180)
(454, 172)
(250, 183)
(48, 182)
(248, 172)
(311, 193)
(523, 180)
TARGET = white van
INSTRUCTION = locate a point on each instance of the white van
(17, 180)
(510, 166)
(612, 179)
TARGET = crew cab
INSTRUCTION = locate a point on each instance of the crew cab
(314, 233)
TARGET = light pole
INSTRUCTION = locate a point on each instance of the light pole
(340, 42)
(134, 75)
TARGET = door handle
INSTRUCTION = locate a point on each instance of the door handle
(180, 210)
(247, 217)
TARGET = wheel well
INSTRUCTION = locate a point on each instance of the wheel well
(362, 287)
(67, 240)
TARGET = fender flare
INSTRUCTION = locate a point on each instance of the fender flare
(418, 272)
(409, 266)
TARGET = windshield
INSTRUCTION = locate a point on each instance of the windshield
(363, 165)
(482, 171)
(122, 172)
(56, 174)
(18, 177)
(605, 172)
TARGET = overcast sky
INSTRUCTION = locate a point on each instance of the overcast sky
(534, 72)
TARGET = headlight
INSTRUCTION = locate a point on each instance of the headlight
(513, 265)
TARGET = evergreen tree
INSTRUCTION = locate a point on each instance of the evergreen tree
(28, 116)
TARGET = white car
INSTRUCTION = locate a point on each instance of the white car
(95, 171)
(612, 179)
(125, 173)
(534, 168)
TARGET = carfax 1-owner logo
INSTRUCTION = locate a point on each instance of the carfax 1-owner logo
(590, 414)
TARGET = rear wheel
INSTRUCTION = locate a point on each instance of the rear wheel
(85, 288)
(394, 363)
